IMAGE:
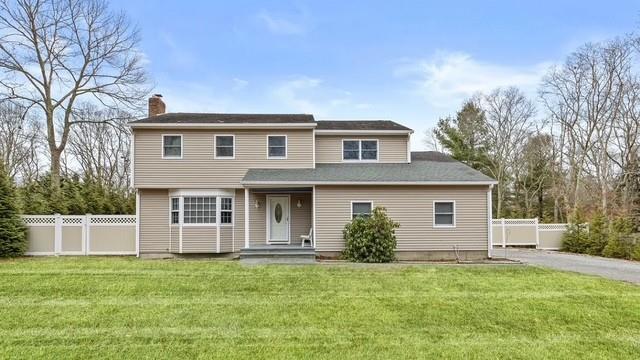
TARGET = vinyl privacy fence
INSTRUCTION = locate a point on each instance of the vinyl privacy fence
(81, 234)
(527, 232)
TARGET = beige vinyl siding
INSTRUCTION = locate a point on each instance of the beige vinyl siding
(199, 169)
(175, 238)
(199, 239)
(300, 218)
(391, 148)
(257, 220)
(412, 207)
(226, 239)
(154, 220)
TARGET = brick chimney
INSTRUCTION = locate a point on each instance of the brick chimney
(156, 105)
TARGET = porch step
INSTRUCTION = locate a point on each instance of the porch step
(278, 254)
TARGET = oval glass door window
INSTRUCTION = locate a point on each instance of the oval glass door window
(278, 213)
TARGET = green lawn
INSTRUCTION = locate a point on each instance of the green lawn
(128, 308)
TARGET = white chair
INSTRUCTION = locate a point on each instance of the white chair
(308, 238)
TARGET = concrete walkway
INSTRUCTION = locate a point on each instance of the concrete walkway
(593, 265)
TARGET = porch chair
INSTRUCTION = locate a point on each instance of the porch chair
(308, 238)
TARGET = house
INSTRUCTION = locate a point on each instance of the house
(220, 183)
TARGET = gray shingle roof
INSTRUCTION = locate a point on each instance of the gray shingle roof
(420, 171)
(215, 118)
(359, 125)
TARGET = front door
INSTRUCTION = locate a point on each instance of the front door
(277, 219)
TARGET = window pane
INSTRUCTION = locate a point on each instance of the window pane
(224, 140)
(226, 204)
(369, 155)
(350, 155)
(362, 208)
(369, 145)
(225, 217)
(277, 152)
(172, 140)
(442, 219)
(350, 145)
(175, 204)
(277, 141)
(444, 207)
(199, 210)
(175, 217)
(224, 151)
(172, 151)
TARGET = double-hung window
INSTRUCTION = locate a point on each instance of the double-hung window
(199, 210)
(277, 146)
(361, 208)
(226, 210)
(224, 146)
(175, 210)
(360, 150)
(444, 214)
(171, 146)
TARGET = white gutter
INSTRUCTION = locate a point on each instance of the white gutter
(363, 132)
(456, 183)
(223, 126)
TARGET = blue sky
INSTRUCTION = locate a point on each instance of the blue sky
(408, 61)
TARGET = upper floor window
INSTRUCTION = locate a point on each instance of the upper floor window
(360, 150)
(224, 146)
(444, 214)
(361, 208)
(277, 146)
(172, 146)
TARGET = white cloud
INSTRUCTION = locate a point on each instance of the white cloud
(239, 84)
(295, 94)
(447, 78)
(278, 24)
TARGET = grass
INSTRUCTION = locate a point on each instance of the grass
(128, 308)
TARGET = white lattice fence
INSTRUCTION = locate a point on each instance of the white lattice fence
(81, 234)
(527, 232)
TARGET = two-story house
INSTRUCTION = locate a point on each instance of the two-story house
(218, 183)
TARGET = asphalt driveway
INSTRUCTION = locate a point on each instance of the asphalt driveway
(610, 268)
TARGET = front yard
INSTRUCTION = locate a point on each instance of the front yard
(129, 308)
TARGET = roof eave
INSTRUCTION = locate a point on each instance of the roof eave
(440, 183)
(362, 132)
(134, 125)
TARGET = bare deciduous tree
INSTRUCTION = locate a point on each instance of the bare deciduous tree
(54, 53)
(19, 141)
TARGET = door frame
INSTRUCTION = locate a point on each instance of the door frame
(268, 219)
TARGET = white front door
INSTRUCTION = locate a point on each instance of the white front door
(277, 219)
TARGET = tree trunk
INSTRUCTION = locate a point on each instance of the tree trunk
(540, 205)
(55, 168)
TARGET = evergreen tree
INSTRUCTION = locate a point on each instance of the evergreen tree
(13, 232)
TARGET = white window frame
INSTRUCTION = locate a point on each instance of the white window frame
(360, 202)
(454, 214)
(215, 147)
(181, 147)
(286, 147)
(220, 211)
(218, 202)
(171, 210)
(360, 151)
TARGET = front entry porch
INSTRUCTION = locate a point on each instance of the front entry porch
(278, 217)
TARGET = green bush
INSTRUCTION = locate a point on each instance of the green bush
(635, 255)
(576, 238)
(597, 236)
(371, 239)
(620, 242)
(13, 232)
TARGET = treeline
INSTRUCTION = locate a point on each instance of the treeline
(574, 149)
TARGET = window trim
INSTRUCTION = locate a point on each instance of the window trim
(215, 147)
(454, 214)
(218, 222)
(181, 147)
(377, 159)
(286, 147)
(360, 202)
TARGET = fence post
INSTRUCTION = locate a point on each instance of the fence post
(504, 234)
(87, 233)
(57, 235)
(537, 222)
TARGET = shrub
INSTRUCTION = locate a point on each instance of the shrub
(635, 255)
(13, 233)
(620, 242)
(597, 236)
(576, 238)
(371, 239)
